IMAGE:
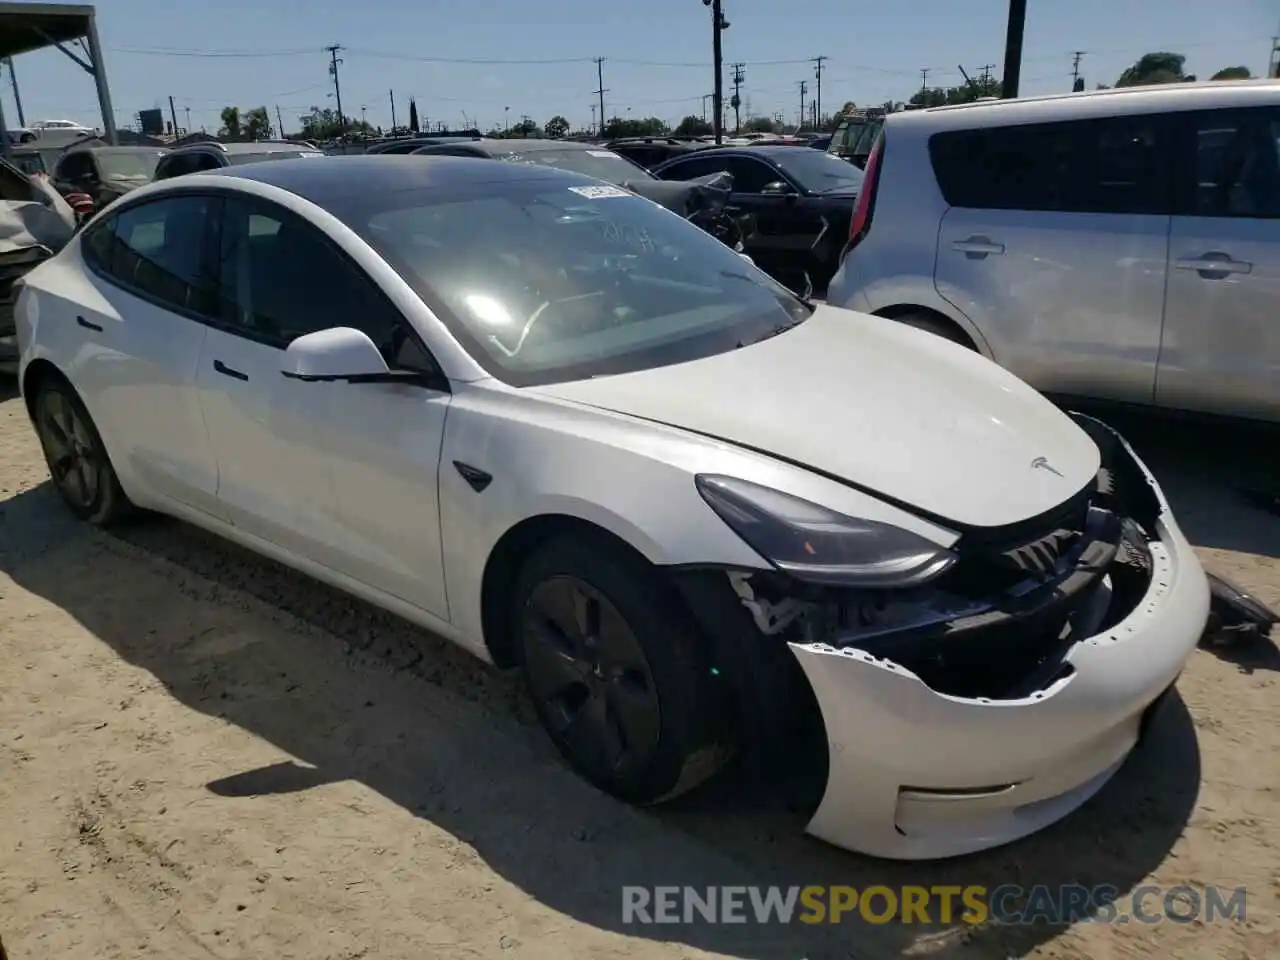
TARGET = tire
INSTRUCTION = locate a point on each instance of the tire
(76, 455)
(938, 327)
(611, 660)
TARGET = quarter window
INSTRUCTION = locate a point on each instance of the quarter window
(1237, 164)
(158, 249)
(1112, 165)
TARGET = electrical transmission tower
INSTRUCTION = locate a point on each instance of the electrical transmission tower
(817, 110)
(334, 60)
(739, 77)
(804, 90)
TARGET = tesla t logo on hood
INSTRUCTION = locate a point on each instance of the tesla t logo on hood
(1041, 463)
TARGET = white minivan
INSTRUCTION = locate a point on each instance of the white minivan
(1118, 245)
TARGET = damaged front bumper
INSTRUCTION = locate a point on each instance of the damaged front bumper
(928, 761)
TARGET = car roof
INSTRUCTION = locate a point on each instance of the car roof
(1097, 104)
(522, 145)
(326, 181)
(88, 148)
(251, 146)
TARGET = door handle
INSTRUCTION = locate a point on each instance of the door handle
(222, 368)
(977, 247)
(1214, 265)
(87, 325)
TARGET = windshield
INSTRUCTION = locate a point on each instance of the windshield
(129, 166)
(545, 282)
(601, 164)
(239, 158)
(819, 172)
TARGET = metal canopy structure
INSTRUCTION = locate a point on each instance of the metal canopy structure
(73, 30)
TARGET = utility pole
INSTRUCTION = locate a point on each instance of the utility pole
(600, 90)
(334, 60)
(188, 111)
(1273, 67)
(1013, 48)
(924, 79)
(593, 118)
(280, 121)
(739, 76)
(392, 94)
(817, 109)
(17, 98)
(804, 90)
(705, 98)
(986, 69)
(718, 26)
(173, 117)
(1075, 68)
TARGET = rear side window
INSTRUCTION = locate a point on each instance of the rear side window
(1112, 165)
(1236, 164)
(160, 250)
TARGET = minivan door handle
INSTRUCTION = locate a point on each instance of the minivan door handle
(1214, 265)
(976, 248)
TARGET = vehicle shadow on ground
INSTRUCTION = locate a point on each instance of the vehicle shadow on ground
(366, 697)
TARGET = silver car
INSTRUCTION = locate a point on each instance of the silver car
(1118, 245)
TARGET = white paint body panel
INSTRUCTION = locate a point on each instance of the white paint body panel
(356, 485)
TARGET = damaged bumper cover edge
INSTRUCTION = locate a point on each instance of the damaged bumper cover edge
(917, 774)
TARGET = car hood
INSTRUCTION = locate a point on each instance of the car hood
(900, 413)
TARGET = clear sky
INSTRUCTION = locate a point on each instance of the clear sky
(457, 56)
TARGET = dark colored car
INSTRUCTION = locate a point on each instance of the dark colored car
(105, 173)
(410, 144)
(586, 158)
(801, 200)
(651, 152)
(213, 155)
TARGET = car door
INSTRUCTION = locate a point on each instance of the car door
(341, 474)
(1220, 351)
(140, 310)
(1055, 244)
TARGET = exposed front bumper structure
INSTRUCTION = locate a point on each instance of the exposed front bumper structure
(914, 773)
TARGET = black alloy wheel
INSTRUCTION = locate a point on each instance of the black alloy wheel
(77, 458)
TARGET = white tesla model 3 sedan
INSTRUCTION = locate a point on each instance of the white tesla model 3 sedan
(574, 433)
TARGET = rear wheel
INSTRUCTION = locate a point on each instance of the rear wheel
(76, 455)
(616, 671)
(937, 326)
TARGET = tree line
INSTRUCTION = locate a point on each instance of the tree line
(325, 124)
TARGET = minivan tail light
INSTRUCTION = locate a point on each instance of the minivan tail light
(861, 222)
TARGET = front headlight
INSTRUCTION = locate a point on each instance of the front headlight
(818, 545)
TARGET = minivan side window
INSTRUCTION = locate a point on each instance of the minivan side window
(1111, 165)
(1236, 164)
(158, 250)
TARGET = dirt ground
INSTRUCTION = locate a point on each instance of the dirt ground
(205, 755)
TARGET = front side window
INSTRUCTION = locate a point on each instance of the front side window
(751, 176)
(281, 279)
(1237, 164)
(1113, 165)
(159, 249)
(695, 167)
(551, 280)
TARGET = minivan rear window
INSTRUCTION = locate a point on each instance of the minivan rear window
(1112, 165)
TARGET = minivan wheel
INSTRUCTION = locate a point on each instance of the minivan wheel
(76, 455)
(938, 327)
(614, 670)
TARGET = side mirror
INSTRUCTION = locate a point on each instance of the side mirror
(339, 353)
(779, 188)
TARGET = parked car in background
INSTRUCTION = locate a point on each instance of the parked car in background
(103, 172)
(854, 136)
(213, 155)
(410, 144)
(651, 152)
(588, 158)
(698, 513)
(801, 201)
(1119, 245)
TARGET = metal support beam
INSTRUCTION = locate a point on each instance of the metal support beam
(84, 65)
(5, 146)
(100, 81)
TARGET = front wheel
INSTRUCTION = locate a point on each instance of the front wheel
(616, 672)
(76, 455)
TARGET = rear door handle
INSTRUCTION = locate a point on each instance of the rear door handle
(1214, 265)
(86, 324)
(977, 247)
(222, 368)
